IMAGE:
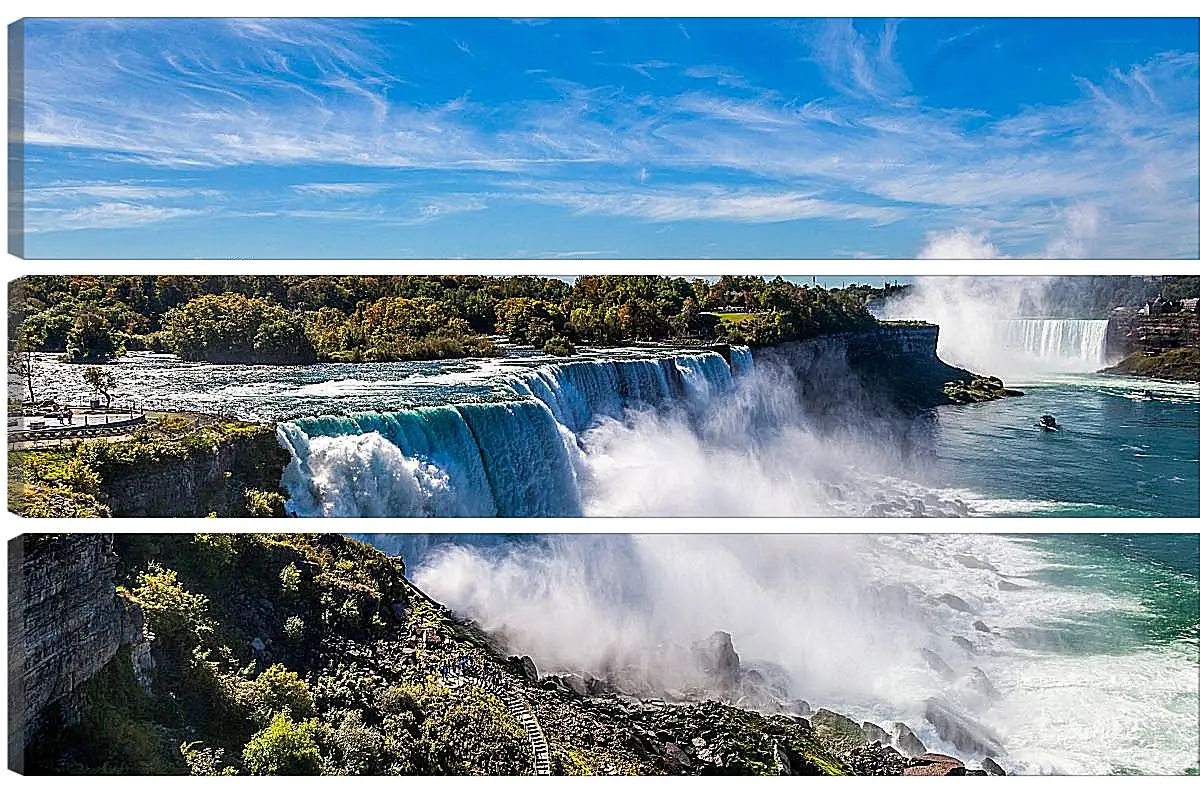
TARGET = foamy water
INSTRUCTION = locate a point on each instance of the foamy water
(1088, 680)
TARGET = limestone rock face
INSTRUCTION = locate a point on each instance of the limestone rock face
(968, 736)
(1149, 333)
(906, 740)
(65, 624)
(845, 733)
(936, 764)
(200, 483)
(720, 662)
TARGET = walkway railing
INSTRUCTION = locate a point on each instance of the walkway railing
(51, 428)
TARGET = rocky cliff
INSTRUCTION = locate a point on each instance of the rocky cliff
(892, 367)
(1150, 333)
(198, 483)
(1154, 345)
(65, 624)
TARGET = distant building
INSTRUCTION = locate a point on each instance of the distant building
(1191, 304)
(1155, 306)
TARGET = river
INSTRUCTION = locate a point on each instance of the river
(662, 432)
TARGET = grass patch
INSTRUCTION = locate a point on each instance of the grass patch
(735, 317)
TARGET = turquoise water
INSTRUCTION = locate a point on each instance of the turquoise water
(1116, 454)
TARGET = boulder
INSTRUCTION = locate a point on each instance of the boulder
(979, 626)
(719, 662)
(802, 722)
(964, 643)
(971, 562)
(874, 733)
(576, 684)
(875, 758)
(797, 708)
(992, 768)
(906, 741)
(677, 757)
(597, 686)
(954, 601)
(969, 736)
(980, 683)
(935, 764)
(841, 732)
(938, 664)
(525, 666)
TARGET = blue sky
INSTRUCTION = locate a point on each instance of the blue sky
(637, 138)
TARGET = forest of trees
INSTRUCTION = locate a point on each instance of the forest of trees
(304, 319)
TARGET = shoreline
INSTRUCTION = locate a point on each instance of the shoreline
(1181, 364)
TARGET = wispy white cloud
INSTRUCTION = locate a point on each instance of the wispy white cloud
(699, 202)
(100, 215)
(339, 189)
(1112, 172)
(72, 192)
(857, 65)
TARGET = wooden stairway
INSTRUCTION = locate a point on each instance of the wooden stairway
(517, 705)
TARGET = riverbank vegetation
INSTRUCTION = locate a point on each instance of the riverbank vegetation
(1180, 364)
(89, 478)
(303, 319)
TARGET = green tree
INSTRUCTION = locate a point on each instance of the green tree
(289, 579)
(92, 337)
(21, 359)
(102, 381)
(170, 609)
(284, 748)
(231, 328)
(559, 346)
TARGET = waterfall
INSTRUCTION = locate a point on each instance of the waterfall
(1069, 344)
(514, 457)
(741, 360)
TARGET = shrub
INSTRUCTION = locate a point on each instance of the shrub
(278, 689)
(284, 748)
(289, 579)
(559, 346)
(293, 630)
(169, 608)
(205, 760)
(261, 503)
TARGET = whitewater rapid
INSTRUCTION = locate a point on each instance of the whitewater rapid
(1082, 687)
